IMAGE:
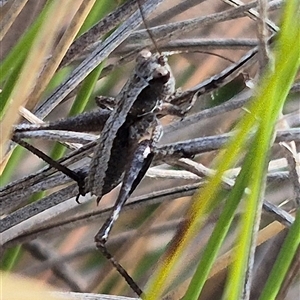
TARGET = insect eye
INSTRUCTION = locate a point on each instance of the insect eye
(160, 72)
(161, 76)
(162, 60)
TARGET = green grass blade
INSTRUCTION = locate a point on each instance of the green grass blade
(8, 87)
(218, 235)
(286, 64)
(100, 9)
(255, 183)
(21, 49)
(10, 167)
(283, 261)
(10, 258)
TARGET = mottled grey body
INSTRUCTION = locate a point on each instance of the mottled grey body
(151, 83)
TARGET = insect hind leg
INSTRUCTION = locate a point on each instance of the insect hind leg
(119, 268)
(141, 160)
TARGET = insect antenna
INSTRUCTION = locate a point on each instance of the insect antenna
(147, 27)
